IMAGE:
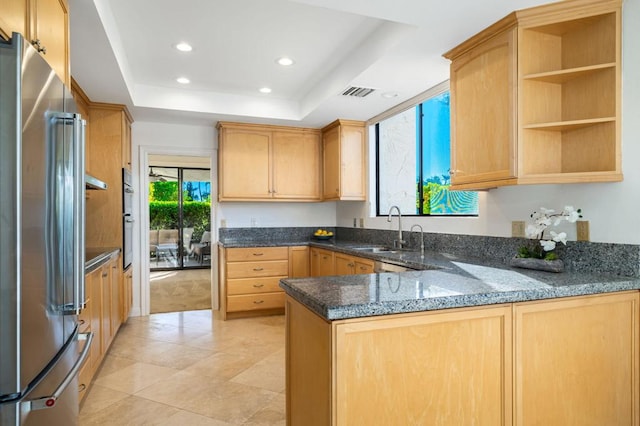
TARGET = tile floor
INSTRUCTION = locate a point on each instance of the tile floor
(180, 290)
(190, 368)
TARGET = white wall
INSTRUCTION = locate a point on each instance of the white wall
(613, 209)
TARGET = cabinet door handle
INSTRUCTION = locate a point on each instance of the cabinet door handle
(350, 264)
(363, 268)
(81, 322)
(39, 47)
(257, 302)
(105, 274)
(258, 269)
(258, 254)
(258, 285)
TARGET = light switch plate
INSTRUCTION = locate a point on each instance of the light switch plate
(517, 228)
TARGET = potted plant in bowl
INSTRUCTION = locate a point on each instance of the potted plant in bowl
(541, 255)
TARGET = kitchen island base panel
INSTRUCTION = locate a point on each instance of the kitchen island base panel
(553, 362)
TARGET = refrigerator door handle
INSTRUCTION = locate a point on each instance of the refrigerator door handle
(78, 213)
(50, 401)
(73, 260)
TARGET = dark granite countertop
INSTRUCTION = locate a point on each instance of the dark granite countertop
(444, 281)
(96, 257)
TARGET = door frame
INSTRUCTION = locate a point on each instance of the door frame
(143, 221)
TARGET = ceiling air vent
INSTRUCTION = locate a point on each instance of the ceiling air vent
(358, 92)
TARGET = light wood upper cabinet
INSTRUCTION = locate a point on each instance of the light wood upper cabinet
(343, 145)
(109, 135)
(49, 32)
(43, 23)
(268, 163)
(483, 126)
(536, 98)
(297, 159)
(13, 17)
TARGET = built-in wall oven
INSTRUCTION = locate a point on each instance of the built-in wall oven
(127, 218)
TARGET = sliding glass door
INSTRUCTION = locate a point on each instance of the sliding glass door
(179, 218)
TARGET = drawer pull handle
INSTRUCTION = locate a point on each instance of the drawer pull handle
(258, 285)
(82, 387)
(257, 302)
(81, 322)
(105, 274)
(258, 269)
(258, 254)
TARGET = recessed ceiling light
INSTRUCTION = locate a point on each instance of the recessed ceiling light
(265, 90)
(284, 61)
(389, 95)
(183, 80)
(184, 47)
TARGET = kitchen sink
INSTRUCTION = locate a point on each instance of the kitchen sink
(376, 249)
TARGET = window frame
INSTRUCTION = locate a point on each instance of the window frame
(414, 102)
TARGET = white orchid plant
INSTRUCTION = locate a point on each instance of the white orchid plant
(536, 230)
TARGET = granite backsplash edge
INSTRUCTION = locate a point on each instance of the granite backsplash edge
(578, 256)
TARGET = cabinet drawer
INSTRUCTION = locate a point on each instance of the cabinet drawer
(84, 318)
(252, 302)
(253, 285)
(257, 254)
(84, 378)
(257, 269)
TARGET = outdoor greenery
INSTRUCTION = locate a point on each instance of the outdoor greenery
(163, 209)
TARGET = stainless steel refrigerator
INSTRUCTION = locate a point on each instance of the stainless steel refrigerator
(41, 242)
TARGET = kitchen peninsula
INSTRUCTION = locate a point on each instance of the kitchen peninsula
(471, 342)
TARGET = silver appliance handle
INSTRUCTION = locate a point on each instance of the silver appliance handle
(79, 299)
(50, 401)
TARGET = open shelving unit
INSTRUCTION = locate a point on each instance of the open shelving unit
(569, 99)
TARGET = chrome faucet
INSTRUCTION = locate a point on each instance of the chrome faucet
(421, 238)
(399, 242)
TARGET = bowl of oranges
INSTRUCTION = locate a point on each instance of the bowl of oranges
(322, 234)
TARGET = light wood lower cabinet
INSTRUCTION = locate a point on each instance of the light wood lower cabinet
(349, 265)
(441, 368)
(101, 316)
(249, 279)
(577, 361)
(322, 262)
(555, 362)
(127, 294)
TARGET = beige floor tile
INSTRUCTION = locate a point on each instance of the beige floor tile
(267, 374)
(100, 397)
(222, 365)
(186, 418)
(112, 364)
(135, 377)
(168, 333)
(226, 401)
(179, 356)
(131, 411)
(273, 414)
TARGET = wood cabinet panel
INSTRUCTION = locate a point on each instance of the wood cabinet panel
(308, 367)
(483, 111)
(244, 167)
(297, 162)
(536, 98)
(268, 163)
(343, 144)
(257, 269)
(250, 254)
(13, 17)
(50, 25)
(127, 294)
(363, 266)
(577, 361)
(299, 266)
(322, 262)
(116, 295)
(238, 286)
(467, 380)
(248, 286)
(93, 282)
(251, 302)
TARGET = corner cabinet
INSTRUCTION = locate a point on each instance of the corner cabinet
(535, 98)
(343, 143)
(268, 163)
